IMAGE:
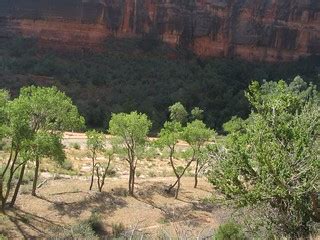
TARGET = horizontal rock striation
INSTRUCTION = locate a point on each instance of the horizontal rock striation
(264, 30)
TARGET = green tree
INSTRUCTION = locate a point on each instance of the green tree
(35, 119)
(197, 113)
(196, 134)
(96, 142)
(178, 113)
(272, 159)
(49, 112)
(132, 130)
(169, 137)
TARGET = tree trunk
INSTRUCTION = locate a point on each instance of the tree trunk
(92, 172)
(3, 202)
(133, 180)
(130, 181)
(16, 191)
(177, 190)
(196, 174)
(35, 179)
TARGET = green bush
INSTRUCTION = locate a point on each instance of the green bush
(76, 146)
(229, 231)
(95, 223)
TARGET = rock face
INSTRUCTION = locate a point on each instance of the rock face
(266, 30)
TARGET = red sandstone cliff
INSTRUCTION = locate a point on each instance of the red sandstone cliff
(268, 30)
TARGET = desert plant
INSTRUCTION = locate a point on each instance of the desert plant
(229, 231)
(76, 146)
(118, 229)
(272, 158)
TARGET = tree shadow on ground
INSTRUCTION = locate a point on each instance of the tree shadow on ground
(25, 221)
(171, 213)
(103, 202)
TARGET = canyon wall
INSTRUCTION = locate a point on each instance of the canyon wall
(263, 30)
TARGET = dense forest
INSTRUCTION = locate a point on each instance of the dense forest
(143, 75)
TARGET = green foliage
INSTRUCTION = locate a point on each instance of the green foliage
(95, 223)
(132, 128)
(96, 141)
(119, 81)
(229, 231)
(131, 131)
(77, 231)
(178, 113)
(48, 109)
(67, 165)
(76, 146)
(272, 160)
(235, 124)
(169, 134)
(196, 134)
(197, 113)
(44, 144)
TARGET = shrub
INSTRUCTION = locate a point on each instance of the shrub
(77, 231)
(3, 237)
(76, 146)
(117, 229)
(95, 223)
(229, 231)
(67, 165)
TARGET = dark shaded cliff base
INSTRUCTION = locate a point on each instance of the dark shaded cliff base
(263, 30)
(132, 77)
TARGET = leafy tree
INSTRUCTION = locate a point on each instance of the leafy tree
(197, 113)
(178, 113)
(196, 134)
(49, 112)
(132, 130)
(96, 142)
(169, 137)
(272, 159)
(35, 120)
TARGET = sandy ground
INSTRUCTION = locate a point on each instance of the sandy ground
(64, 202)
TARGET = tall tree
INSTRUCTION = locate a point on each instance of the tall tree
(35, 119)
(132, 130)
(272, 159)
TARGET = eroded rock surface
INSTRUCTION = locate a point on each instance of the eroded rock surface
(269, 30)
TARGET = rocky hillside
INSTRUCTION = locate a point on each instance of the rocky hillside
(267, 30)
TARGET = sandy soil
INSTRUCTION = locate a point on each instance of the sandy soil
(63, 202)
